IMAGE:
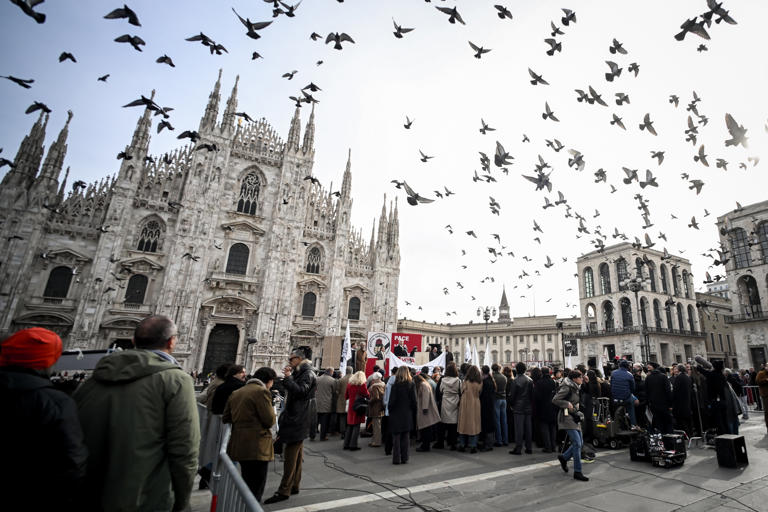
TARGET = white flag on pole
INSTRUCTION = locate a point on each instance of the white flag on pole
(487, 354)
(475, 357)
(467, 352)
(346, 353)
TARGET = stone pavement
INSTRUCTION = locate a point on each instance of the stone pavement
(496, 481)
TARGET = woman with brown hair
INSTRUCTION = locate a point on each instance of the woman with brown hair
(402, 407)
(469, 426)
(355, 388)
(427, 414)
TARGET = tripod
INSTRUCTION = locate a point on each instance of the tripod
(699, 440)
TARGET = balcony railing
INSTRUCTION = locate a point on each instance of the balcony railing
(632, 330)
(122, 307)
(753, 316)
(52, 302)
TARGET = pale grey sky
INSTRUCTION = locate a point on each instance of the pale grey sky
(431, 76)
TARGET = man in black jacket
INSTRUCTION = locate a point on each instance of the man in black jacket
(659, 392)
(300, 385)
(44, 456)
(543, 391)
(521, 400)
(234, 381)
(682, 391)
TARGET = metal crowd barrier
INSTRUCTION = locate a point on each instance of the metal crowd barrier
(229, 491)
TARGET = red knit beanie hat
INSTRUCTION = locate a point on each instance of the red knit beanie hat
(35, 348)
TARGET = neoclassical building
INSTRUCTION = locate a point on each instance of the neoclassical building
(659, 320)
(231, 241)
(744, 234)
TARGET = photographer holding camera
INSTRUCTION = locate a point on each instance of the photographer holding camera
(569, 418)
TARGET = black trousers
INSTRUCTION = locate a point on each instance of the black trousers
(522, 431)
(325, 421)
(351, 436)
(549, 435)
(451, 434)
(400, 443)
(662, 420)
(255, 475)
(438, 434)
(426, 437)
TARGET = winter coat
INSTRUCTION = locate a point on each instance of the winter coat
(450, 388)
(488, 406)
(736, 384)
(501, 385)
(469, 409)
(222, 393)
(250, 411)
(139, 417)
(659, 391)
(42, 443)
(326, 385)
(206, 396)
(543, 392)
(567, 393)
(682, 390)
(376, 403)
(402, 407)
(622, 384)
(300, 389)
(761, 380)
(341, 394)
(426, 412)
(521, 395)
(361, 359)
(353, 417)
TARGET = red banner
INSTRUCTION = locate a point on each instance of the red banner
(402, 343)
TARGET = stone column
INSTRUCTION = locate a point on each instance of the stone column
(204, 344)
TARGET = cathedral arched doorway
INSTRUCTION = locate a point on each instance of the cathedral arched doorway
(221, 347)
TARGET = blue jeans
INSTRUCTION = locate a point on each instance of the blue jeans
(629, 405)
(501, 421)
(574, 450)
(466, 440)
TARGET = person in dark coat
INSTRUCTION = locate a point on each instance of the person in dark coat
(659, 392)
(488, 409)
(640, 393)
(715, 380)
(300, 384)
(682, 390)
(44, 454)
(590, 390)
(234, 381)
(543, 392)
(521, 399)
(402, 406)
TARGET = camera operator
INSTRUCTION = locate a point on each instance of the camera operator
(659, 392)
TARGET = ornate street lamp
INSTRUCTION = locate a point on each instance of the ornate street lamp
(635, 285)
(487, 313)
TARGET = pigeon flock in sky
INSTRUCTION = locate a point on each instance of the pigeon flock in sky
(620, 72)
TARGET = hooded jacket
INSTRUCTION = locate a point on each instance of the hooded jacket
(42, 442)
(300, 388)
(567, 393)
(139, 417)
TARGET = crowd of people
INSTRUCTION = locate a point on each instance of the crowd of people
(128, 436)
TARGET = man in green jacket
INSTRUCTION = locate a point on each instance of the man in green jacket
(139, 418)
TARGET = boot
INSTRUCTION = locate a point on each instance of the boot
(578, 475)
(563, 463)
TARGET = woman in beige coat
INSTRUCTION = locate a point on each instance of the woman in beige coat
(469, 410)
(450, 388)
(250, 411)
(427, 413)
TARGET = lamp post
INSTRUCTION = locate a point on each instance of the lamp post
(635, 285)
(560, 326)
(486, 314)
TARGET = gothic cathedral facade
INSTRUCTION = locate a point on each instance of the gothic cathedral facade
(246, 255)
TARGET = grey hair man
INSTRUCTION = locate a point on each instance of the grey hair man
(140, 423)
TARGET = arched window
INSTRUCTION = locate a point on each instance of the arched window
(591, 318)
(149, 236)
(308, 305)
(507, 356)
(353, 312)
(691, 323)
(605, 279)
(686, 288)
(249, 194)
(639, 267)
(663, 274)
(58, 283)
(626, 312)
(749, 295)
(739, 247)
(622, 273)
(668, 308)
(652, 275)
(762, 239)
(589, 283)
(680, 322)
(675, 285)
(137, 287)
(657, 313)
(237, 263)
(314, 261)
(608, 315)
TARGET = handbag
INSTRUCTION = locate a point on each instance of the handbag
(360, 405)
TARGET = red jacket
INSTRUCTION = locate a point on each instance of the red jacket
(354, 418)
